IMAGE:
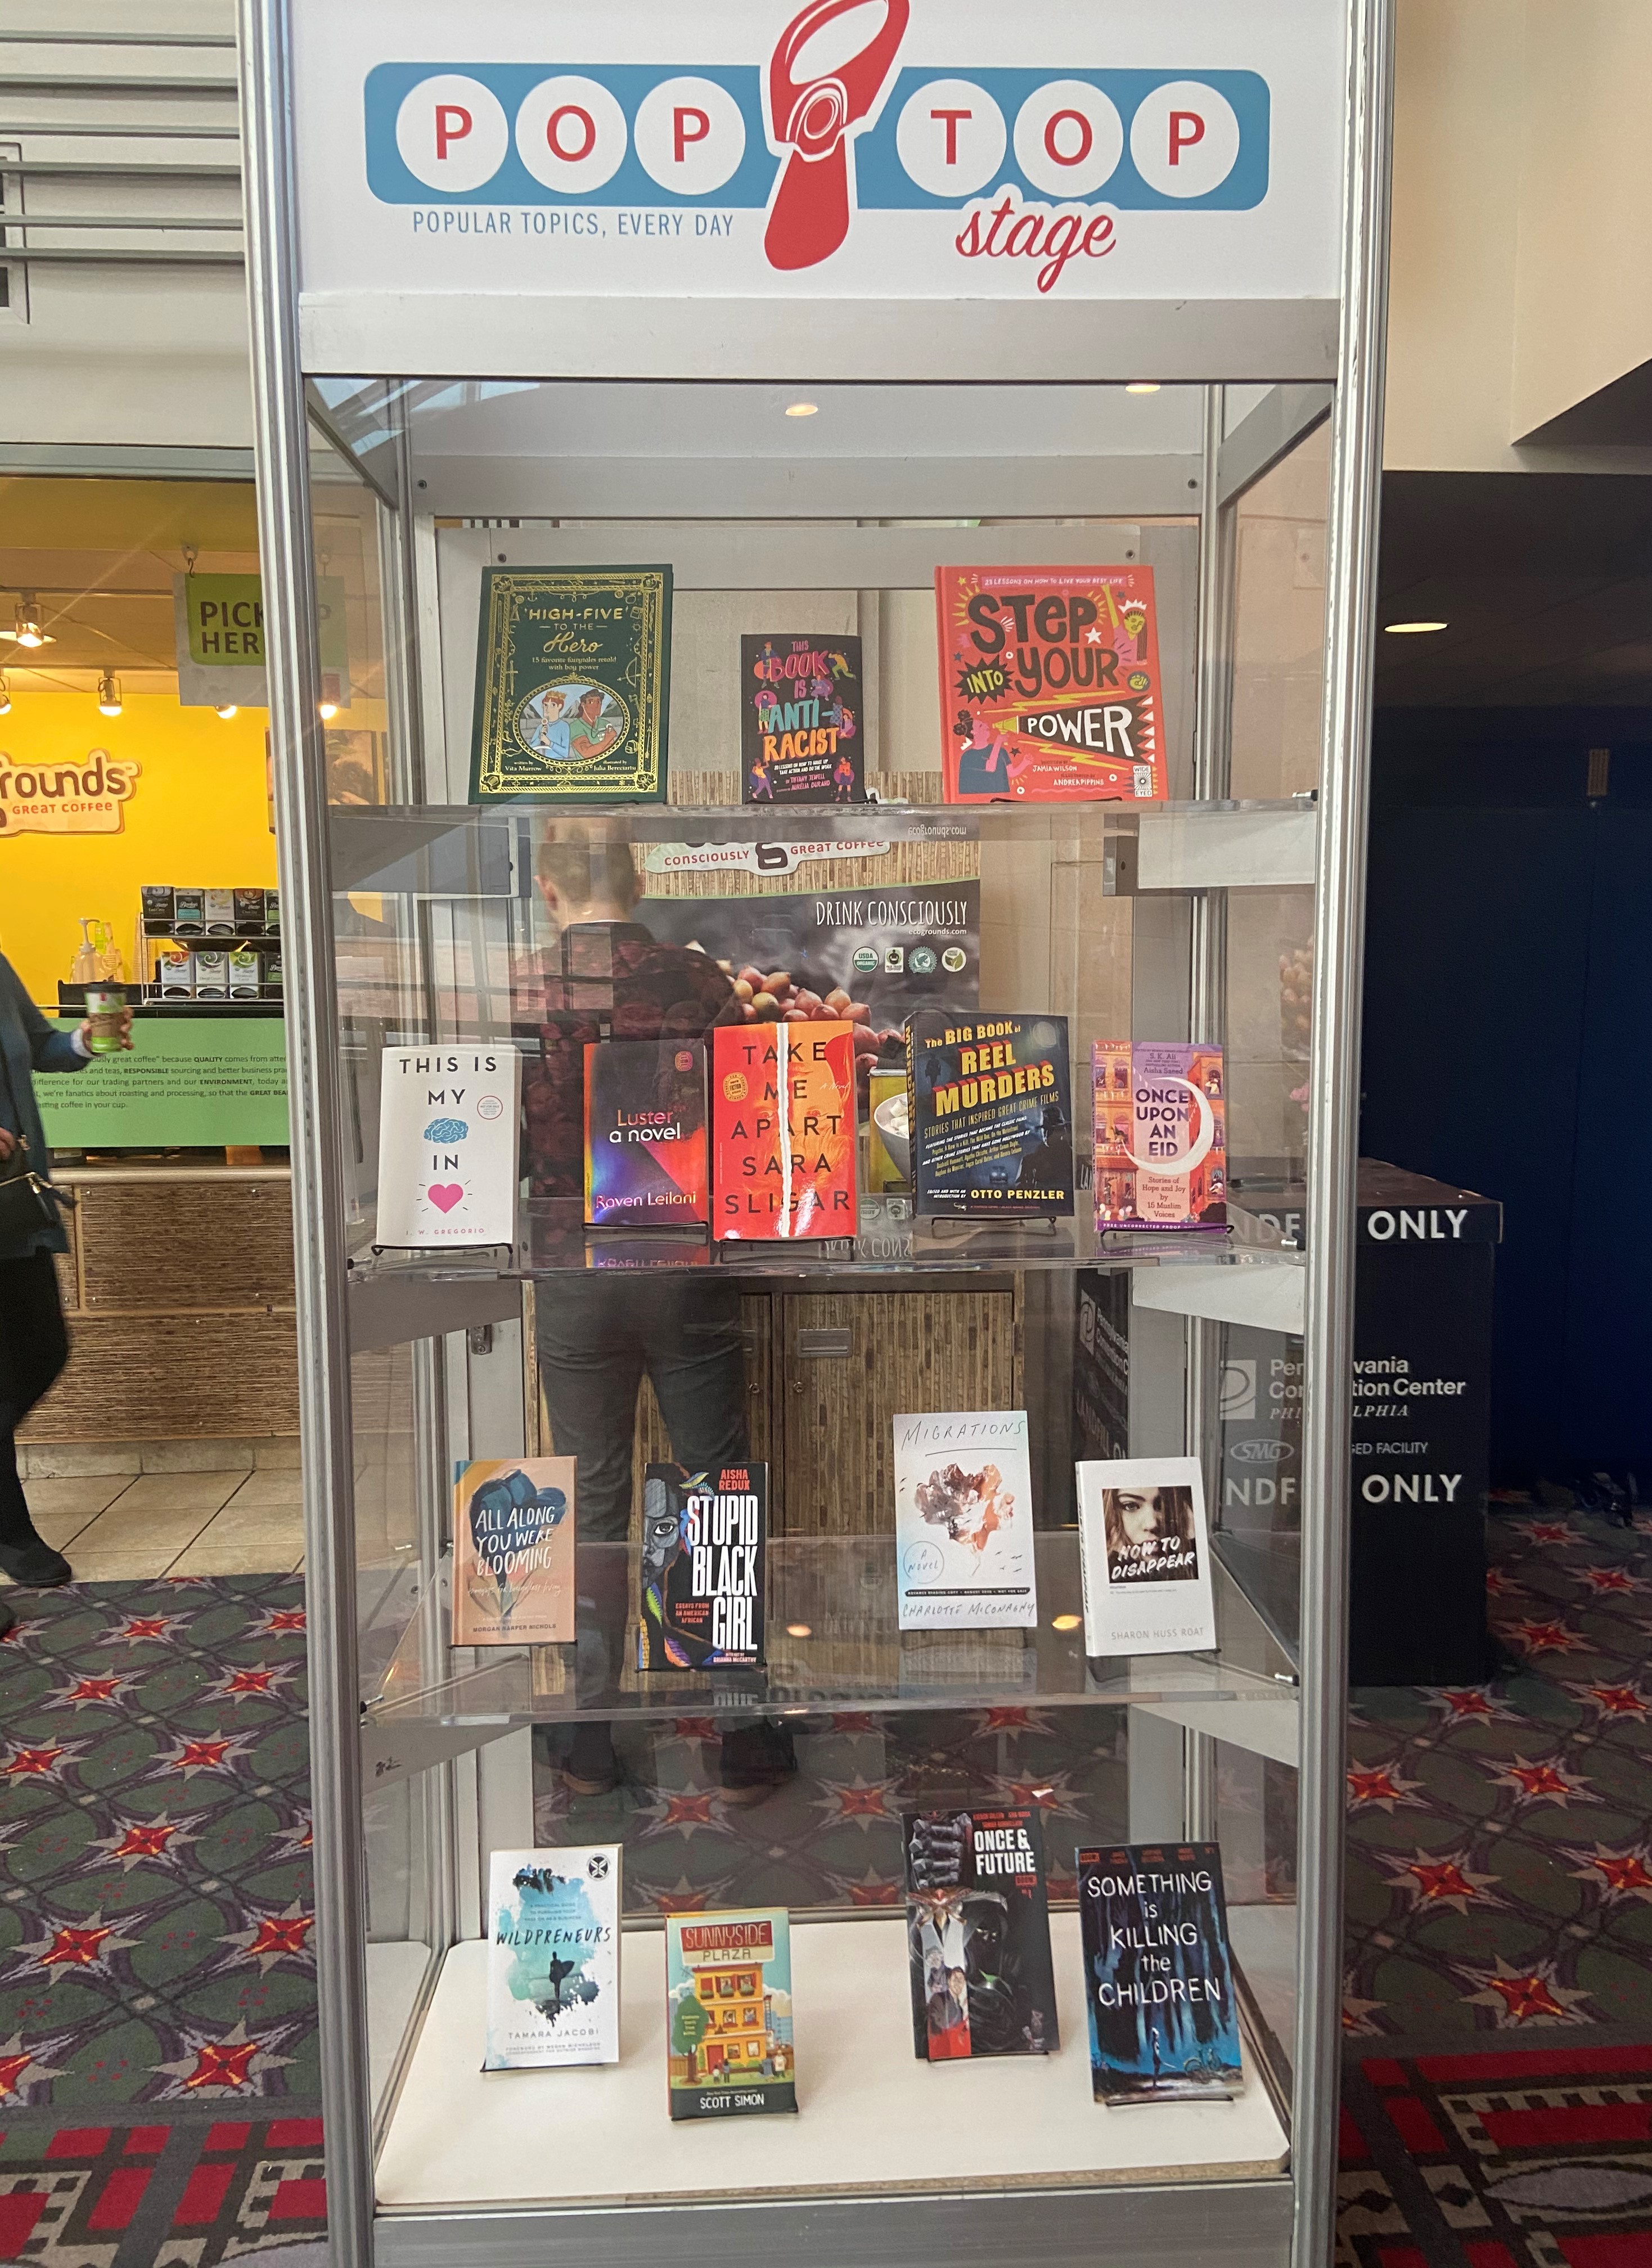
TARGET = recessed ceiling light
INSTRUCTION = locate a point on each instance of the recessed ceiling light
(108, 694)
(1066, 1622)
(327, 711)
(1413, 629)
(799, 1630)
(227, 709)
(801, 409)
(1143, 385)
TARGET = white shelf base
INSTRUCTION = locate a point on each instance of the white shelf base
(1266, 1298)
(871, 2116)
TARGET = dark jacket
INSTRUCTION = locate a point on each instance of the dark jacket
(28, 1043)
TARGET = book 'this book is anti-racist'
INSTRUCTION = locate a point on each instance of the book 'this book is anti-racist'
(645, 1133)
(782, 1131)
(977, 1929)
(728, 2013)
(553, 1957)
(702, 1570)
(1161, 1135)
(802, 735)
(1158, 1975)
(990, 1106)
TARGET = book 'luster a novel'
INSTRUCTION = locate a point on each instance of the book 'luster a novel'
(553, 1957)
(802, 725)
(963, 1528)
(978, 1930)
(728, 2013)
(645, 1133)
(782, 1131)
(1049, 684)
(990, 1106)
(513, 1554)
(1158, 1976)
(703, 1567)
(1161, 1135)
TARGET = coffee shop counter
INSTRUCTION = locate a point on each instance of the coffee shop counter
(178, 1290)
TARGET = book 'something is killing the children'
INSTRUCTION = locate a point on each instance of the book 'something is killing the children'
(802, 725)
(553, 1957)
(1158, 1979)
(728, 2013)
(513, 1552)
(701, 1573)
(645, 1133)
(782, 1131)
(978, 1934)
(990, 1106)
(573, 674)
(963, 1525)
(1144, 1552)
(1161, 1135)
(1049, 684)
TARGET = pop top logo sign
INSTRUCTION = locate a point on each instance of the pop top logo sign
(834, 127)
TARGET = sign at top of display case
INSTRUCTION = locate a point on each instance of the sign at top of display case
(841, 148)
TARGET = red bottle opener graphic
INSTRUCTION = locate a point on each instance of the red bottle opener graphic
(813, 118)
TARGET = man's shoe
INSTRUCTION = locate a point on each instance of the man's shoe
(36, 1564)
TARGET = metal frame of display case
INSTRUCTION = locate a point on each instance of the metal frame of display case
(1261, 2220)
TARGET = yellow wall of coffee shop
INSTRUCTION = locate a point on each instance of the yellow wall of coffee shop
(198, 814)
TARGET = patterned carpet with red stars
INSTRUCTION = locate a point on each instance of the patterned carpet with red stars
(159, 2079)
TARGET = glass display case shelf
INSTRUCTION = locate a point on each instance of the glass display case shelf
(832, 1646)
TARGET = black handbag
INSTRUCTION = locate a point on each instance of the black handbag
(28, 1203)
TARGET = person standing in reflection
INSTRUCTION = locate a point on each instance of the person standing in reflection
(599, 1336)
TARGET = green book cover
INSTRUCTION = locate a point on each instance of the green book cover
(573, 672)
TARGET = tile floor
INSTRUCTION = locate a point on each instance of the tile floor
(113, 1526)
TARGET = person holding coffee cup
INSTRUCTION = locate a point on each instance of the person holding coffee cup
(33, 1344)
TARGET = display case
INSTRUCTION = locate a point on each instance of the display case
(571, 520)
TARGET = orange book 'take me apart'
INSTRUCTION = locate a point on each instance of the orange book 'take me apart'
(782, 1131)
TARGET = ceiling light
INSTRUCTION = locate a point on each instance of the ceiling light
(1413, 629)
(29, 630)
(1066, 1622)
(327, 711)
(799, 1630)
(226, 710)
(108, 694)
(801, 409)
(1143, 385)
(5, 697)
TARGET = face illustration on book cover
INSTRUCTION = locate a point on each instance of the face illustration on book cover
(1161, 1135)
(703, 1568)
(1144, 1555)
(979, 1935)
(449, 1128)
(963, 1531)
(553, 1957)
(513, 1552)
(782, 1131)
(1164, 2025)
(728, 2013)
(802, 722)
(990, 1109)
(1049, 684)
(574, 670)
(645, 1133)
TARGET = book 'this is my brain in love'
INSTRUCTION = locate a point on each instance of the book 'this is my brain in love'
(978, 1927)
(553, 1957)
(782, 1131)
(802, 737)
(1049, 684)
(1161, 1135)
(645, 1133)
(703, 1567)
(513, 1555)
(728, 2013)
(1157, 1974)
(990, 1106)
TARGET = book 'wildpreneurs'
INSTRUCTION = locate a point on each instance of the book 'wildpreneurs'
(553, 1957)
(703, 1567)
(990, 1106)
(513, 1554)
(728, 2013)
(978, 1926)
(1161, 1135)
(782, 1131)
(645, 1133)
(1158, 1975)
